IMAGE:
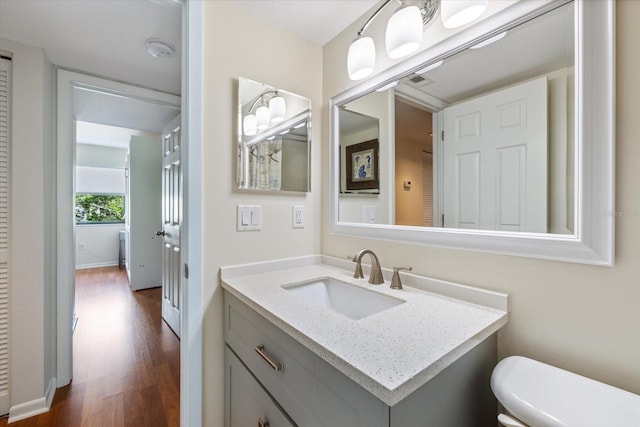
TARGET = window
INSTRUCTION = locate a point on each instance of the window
(99, 208)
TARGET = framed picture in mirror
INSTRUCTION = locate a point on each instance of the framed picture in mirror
(362, 166)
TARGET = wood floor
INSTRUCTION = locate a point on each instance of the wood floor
(126, 359)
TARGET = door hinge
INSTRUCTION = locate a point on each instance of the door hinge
(443, 135)
(442, 225)
(186, 270)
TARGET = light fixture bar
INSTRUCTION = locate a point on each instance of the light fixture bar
(372, 17)
(280, 127)
(259, 98)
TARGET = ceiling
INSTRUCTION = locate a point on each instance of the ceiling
(316, 20)
(101, 37)
(108, 38)
(504, 62)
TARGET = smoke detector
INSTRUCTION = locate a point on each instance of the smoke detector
(160, 49)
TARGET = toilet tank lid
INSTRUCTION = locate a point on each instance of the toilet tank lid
(543, 395)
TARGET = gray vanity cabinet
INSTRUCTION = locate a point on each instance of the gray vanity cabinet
(312, 393)
(248, 404)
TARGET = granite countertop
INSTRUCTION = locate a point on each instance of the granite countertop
(391, 353)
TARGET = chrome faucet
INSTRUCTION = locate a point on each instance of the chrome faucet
(375, 277)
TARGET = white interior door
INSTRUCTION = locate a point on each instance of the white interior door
(495, 160)
(172, 188)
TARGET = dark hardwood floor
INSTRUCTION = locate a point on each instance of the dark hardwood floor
(126, 359)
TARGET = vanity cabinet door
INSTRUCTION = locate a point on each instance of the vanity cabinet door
(312, 392)
(247, 404)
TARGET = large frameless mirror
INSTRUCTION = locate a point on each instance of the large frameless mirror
(274, 138)
(485, 144)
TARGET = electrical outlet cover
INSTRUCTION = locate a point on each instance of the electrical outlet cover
(297, 216)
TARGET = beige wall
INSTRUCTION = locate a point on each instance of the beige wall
(579, 317)
(32, 311)
(236, 43)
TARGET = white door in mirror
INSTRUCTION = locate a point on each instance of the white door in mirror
(495, 160)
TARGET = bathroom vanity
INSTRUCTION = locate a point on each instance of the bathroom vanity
(373, 356)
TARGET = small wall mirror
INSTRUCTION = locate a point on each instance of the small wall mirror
(483, 140)
(274, 138)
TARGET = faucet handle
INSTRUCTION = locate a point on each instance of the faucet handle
(357, 273)
(396, 283)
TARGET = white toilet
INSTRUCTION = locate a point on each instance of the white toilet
(538, 395)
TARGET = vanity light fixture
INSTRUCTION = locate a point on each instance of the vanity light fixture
(404, 32)
(250, 125)
(402, 37)
(405, 28)
(429, 68)
(489, 41)
(277, 109)
(388, 86)
(271, 109)
(361, 57)
(262, 117)
(456, 13)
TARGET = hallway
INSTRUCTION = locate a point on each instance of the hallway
(126, 359)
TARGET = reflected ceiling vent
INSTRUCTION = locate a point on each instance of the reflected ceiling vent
(419, 81)
(160, 49)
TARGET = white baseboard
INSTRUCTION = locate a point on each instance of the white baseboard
(51, 391)
(98, 264)
(34, 407)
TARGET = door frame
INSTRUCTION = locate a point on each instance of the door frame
(66, 163)
(191, 315)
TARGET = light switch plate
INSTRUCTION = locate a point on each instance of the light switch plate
(297, 216)
(249, 218)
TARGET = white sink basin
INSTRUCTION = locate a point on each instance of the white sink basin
(343, 298)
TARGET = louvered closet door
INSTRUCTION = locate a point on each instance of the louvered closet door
(5, 68)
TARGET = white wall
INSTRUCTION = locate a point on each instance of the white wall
(579, 317)
(32, 310)
(97, 245)
(237, 43)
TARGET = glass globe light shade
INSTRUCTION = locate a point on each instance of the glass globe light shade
(404, 32)
(249, 125)
(361, 58)
(456, 13)
(262, 117)
(277, 109)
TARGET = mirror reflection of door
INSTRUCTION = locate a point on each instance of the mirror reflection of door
(495, 160)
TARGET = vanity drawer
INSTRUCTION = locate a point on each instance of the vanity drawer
(248, 404)
(311, 391)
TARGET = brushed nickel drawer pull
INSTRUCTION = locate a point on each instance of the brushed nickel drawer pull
(264, 423)
(277, 366)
